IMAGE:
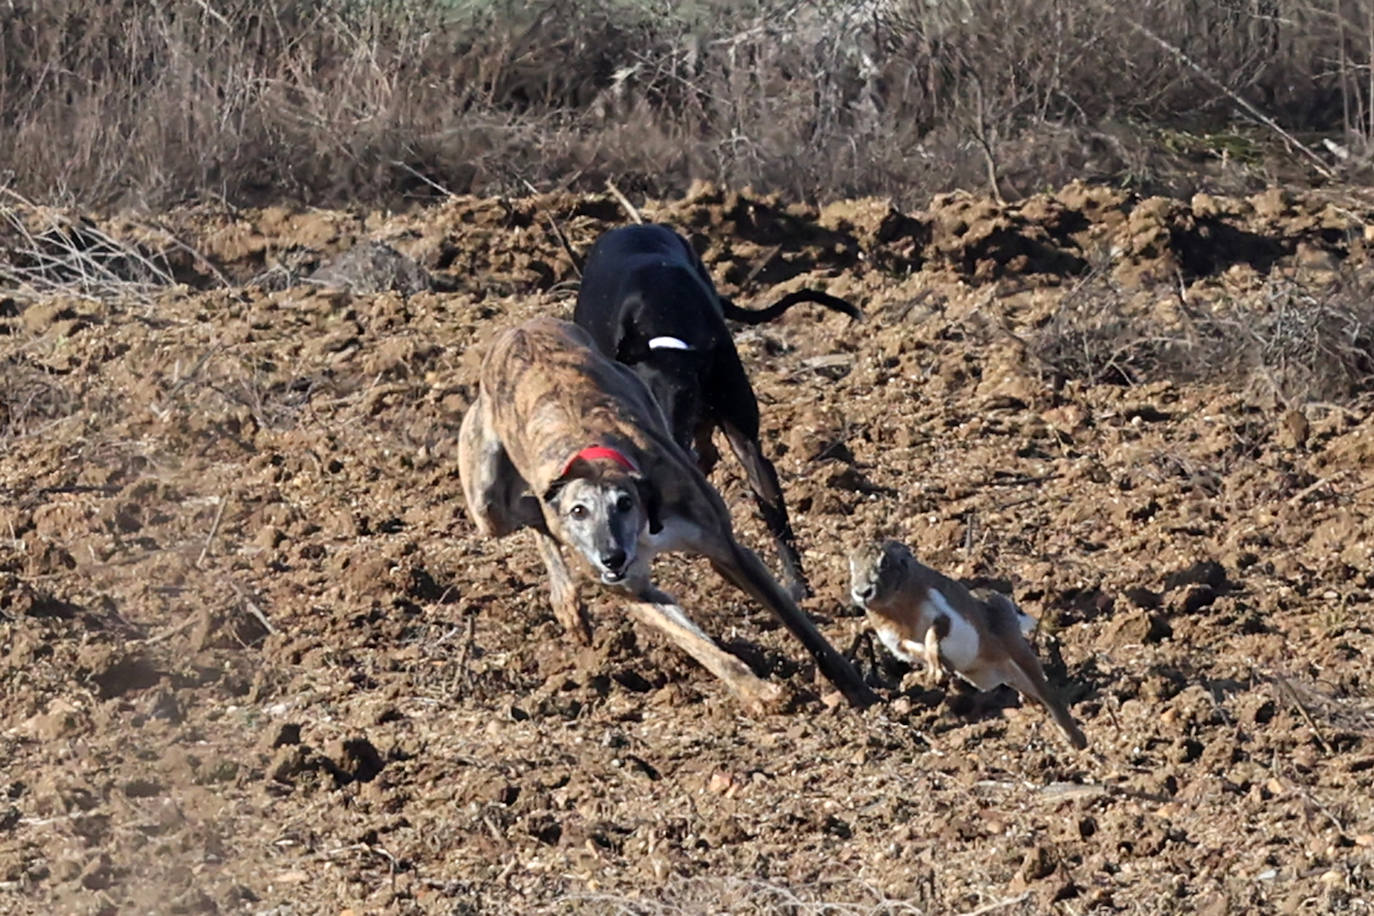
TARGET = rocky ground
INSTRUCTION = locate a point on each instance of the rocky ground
(256, 659)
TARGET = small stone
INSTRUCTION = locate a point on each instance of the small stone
(288, 763)
(1142, 598)
(288, 733)
(1293, 429)
(1204, 205)
(1196, 598)
(61, 719)
(268, 538)
(98, 875)
(1138, 628)
(721, 783)
(1039, 863)
(1205, 572)
(359, 758)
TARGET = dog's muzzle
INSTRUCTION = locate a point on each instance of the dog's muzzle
(613, 566)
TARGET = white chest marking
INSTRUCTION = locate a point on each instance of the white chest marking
(668, 343)
(677, 534)
(960, 647)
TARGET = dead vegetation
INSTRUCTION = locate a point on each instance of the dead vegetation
(341, 103)
(1291, 343)
(45, 250)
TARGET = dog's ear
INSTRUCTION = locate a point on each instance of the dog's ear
(577, 468)
(652, 501)
(554, 489)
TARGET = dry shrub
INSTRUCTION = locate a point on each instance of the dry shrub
(43, 250)
(1294, 342)
(329, 101)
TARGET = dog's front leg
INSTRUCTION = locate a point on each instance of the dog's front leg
(567, 608)
(658, 610)
(740, 567)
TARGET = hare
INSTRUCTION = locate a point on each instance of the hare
(922, 615)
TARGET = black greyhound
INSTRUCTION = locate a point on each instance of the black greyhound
(648, 302)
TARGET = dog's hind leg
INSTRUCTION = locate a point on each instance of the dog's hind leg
(658, 610)
(707, 455)
(731, 398)
(567, 607)
(491, 485)
(763, 480)
(1022, 670)
(741, 568)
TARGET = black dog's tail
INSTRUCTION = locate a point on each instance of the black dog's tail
(759, 316)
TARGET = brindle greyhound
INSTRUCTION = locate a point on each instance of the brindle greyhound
(571, 444)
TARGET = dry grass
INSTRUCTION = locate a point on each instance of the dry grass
(1295, 343)
(116, 103)
(43, 250)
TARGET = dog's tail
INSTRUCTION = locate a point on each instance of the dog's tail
(759, 316)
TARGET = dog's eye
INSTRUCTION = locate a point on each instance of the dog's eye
(624, 504)
(578, 512)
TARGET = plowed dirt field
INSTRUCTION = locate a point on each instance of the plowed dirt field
(256, 659)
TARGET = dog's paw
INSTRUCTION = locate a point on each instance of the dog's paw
(573, 617)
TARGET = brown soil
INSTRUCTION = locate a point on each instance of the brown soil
(255, 659)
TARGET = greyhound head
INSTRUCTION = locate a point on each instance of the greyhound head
(601, 506)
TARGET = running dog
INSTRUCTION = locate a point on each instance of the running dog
(648, 302)
(564, 441)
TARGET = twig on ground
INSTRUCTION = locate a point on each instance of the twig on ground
(168, 633)
(72, 253)
(998, 904)
(252, 606)
(1302, 711)
(981, 135)
(214, 529)
(426, 179)
(460, 674)
(194, 252)
(624, 201)
(1312, 488)
(567, 248)
(758, 268)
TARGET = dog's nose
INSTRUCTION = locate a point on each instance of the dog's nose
(865, 593)
(614, 560)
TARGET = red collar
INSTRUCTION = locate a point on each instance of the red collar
(593, 452)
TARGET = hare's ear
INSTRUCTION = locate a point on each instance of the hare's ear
(893, 553)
